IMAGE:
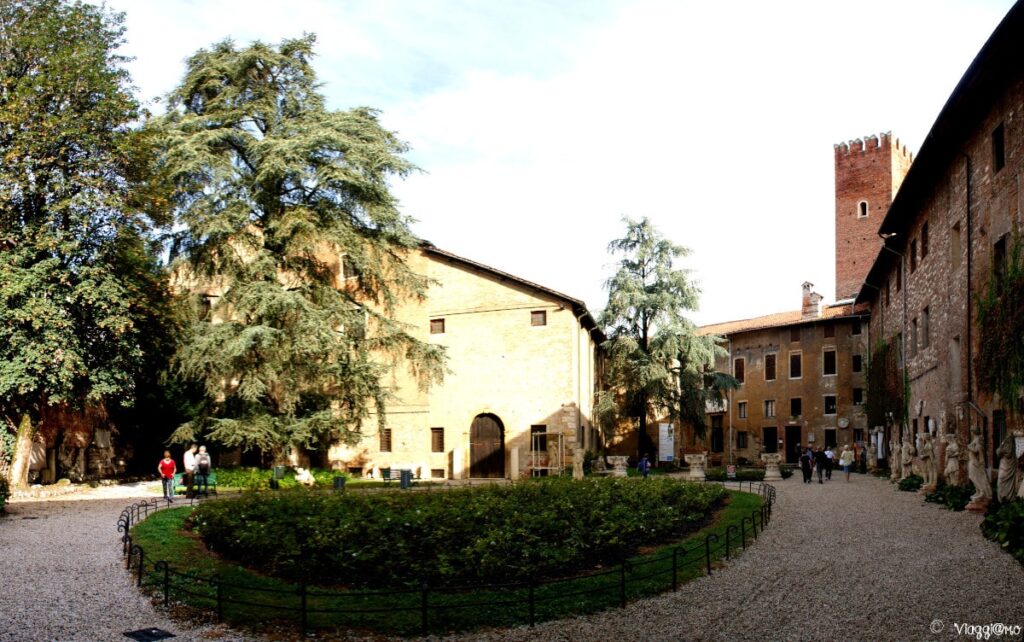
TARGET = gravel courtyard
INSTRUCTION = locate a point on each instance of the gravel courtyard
(857, 561)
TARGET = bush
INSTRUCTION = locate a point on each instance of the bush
(1004, 523)
(742, 474)
(952, 497)
(786, 471)
(911, 483)
(5, 492)
(259, 478)
(533, 529)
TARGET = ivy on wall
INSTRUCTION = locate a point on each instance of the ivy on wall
(999, 367)
(885, 392)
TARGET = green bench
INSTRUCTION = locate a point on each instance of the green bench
(180, 488)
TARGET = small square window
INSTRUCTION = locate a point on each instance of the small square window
(796, 407)
(741, 409)
(794, 334)
(741, 439)
(830, 330)
(830, 404)
(385, 440)
(437, 326)
(858, 363)
(855, 328)
(437, 440)
(858, 396)
(437, 473)
(539, 317)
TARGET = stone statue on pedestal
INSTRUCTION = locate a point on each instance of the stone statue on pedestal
(894, 460)
(1006, 483)
(927, 455)
(952, 470)
(577, 463)
(907, 453)
(976, 472)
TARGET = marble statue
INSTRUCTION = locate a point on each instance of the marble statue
(577, 463)
(304, 477)
(927, 455)
(1006, 483)
(894, 459)
(907, 452)
(952, 470)
(976, 470)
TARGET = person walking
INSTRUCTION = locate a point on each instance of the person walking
(805, 465)
(190, 470)
(830, 455)
(820, 461)
(167, 468)
(846, 460)
(203, 466)
(644, 466)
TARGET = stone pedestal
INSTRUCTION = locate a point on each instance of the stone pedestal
(619, 464)
(927, 488)
(698, 463)
(771, 466)
(978, 505)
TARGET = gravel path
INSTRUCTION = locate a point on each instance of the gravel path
(62, 576)
(857, 561)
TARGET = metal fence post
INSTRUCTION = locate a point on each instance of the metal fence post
(753, 522)
(167, 580)
(743, 531)
(424, 606)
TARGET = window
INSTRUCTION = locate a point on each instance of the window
(858, 396)
(830, 404)
(769, 408)
(858, 364)
(539, 317)
(855, 328)
(796, 407)
(829, 362)
(888, 293)
(862, 209)
(741, 409)
(830, 438)
(769, 367)
(858, 434)
(717, 434)
(794, 334)
(741, 439)
(356, 472)
(924, 240)
(385, 440)
(899, 278)
(830, 330)
(437, 473)
(913, 255)
(437, 440)
(738, 368)
(913, 336)
(954, 245)
(998, 149)
(437, 326)
(539, 439)
(999, 259)
(925, 339)
(770, 439)
(795, 365)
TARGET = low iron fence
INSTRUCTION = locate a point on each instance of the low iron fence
(442, 608)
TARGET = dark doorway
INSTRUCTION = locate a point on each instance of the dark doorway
(487, 448)
(792, 444)
(717, 434)
(770, 439)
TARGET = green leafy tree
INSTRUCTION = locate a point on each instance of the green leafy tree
(999, 366)
(77, 275)
(657, 365)
(286, 208)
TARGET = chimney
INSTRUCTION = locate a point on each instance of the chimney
(811, 305)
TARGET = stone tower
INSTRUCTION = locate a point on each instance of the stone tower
(869, 171)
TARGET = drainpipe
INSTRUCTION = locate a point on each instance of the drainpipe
(970, 349)
(728, 400)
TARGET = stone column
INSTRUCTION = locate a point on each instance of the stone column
(771, 466)
(458, 464)
(513, 463)
(697, 462)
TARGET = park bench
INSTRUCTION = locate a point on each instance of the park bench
(394, 473)
(180, 488)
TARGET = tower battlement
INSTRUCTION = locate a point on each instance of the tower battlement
(873, 142)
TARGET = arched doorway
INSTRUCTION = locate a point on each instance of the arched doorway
(487, 448)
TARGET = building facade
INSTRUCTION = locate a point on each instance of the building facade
(523, 365)
(948, 233)
(801, 382)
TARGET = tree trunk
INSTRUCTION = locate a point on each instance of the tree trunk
(22, 452)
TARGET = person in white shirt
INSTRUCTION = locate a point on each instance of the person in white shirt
(830, 458)
(190, 469)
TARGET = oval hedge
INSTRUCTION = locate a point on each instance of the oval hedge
(490, 534)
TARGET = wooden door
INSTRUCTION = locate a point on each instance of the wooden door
(487, 448)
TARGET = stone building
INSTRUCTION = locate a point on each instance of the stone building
(949, 230)
(801, 379)
(523, 364)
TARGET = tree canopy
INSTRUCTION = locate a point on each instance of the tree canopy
(657, 365)
(77, 274)
(287, 215)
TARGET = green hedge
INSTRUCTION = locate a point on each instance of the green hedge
(259, 478)
(1004, 523)
(742, 474)
(515, 532)
(5, 492)
(952, 497)
(911, 483)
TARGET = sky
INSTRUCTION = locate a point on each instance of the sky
(538, 126)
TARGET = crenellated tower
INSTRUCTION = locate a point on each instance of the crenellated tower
(869, 171)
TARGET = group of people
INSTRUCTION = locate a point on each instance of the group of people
(196, 476)
(823, 460)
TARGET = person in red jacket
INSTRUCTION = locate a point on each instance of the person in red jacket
(167, 468)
